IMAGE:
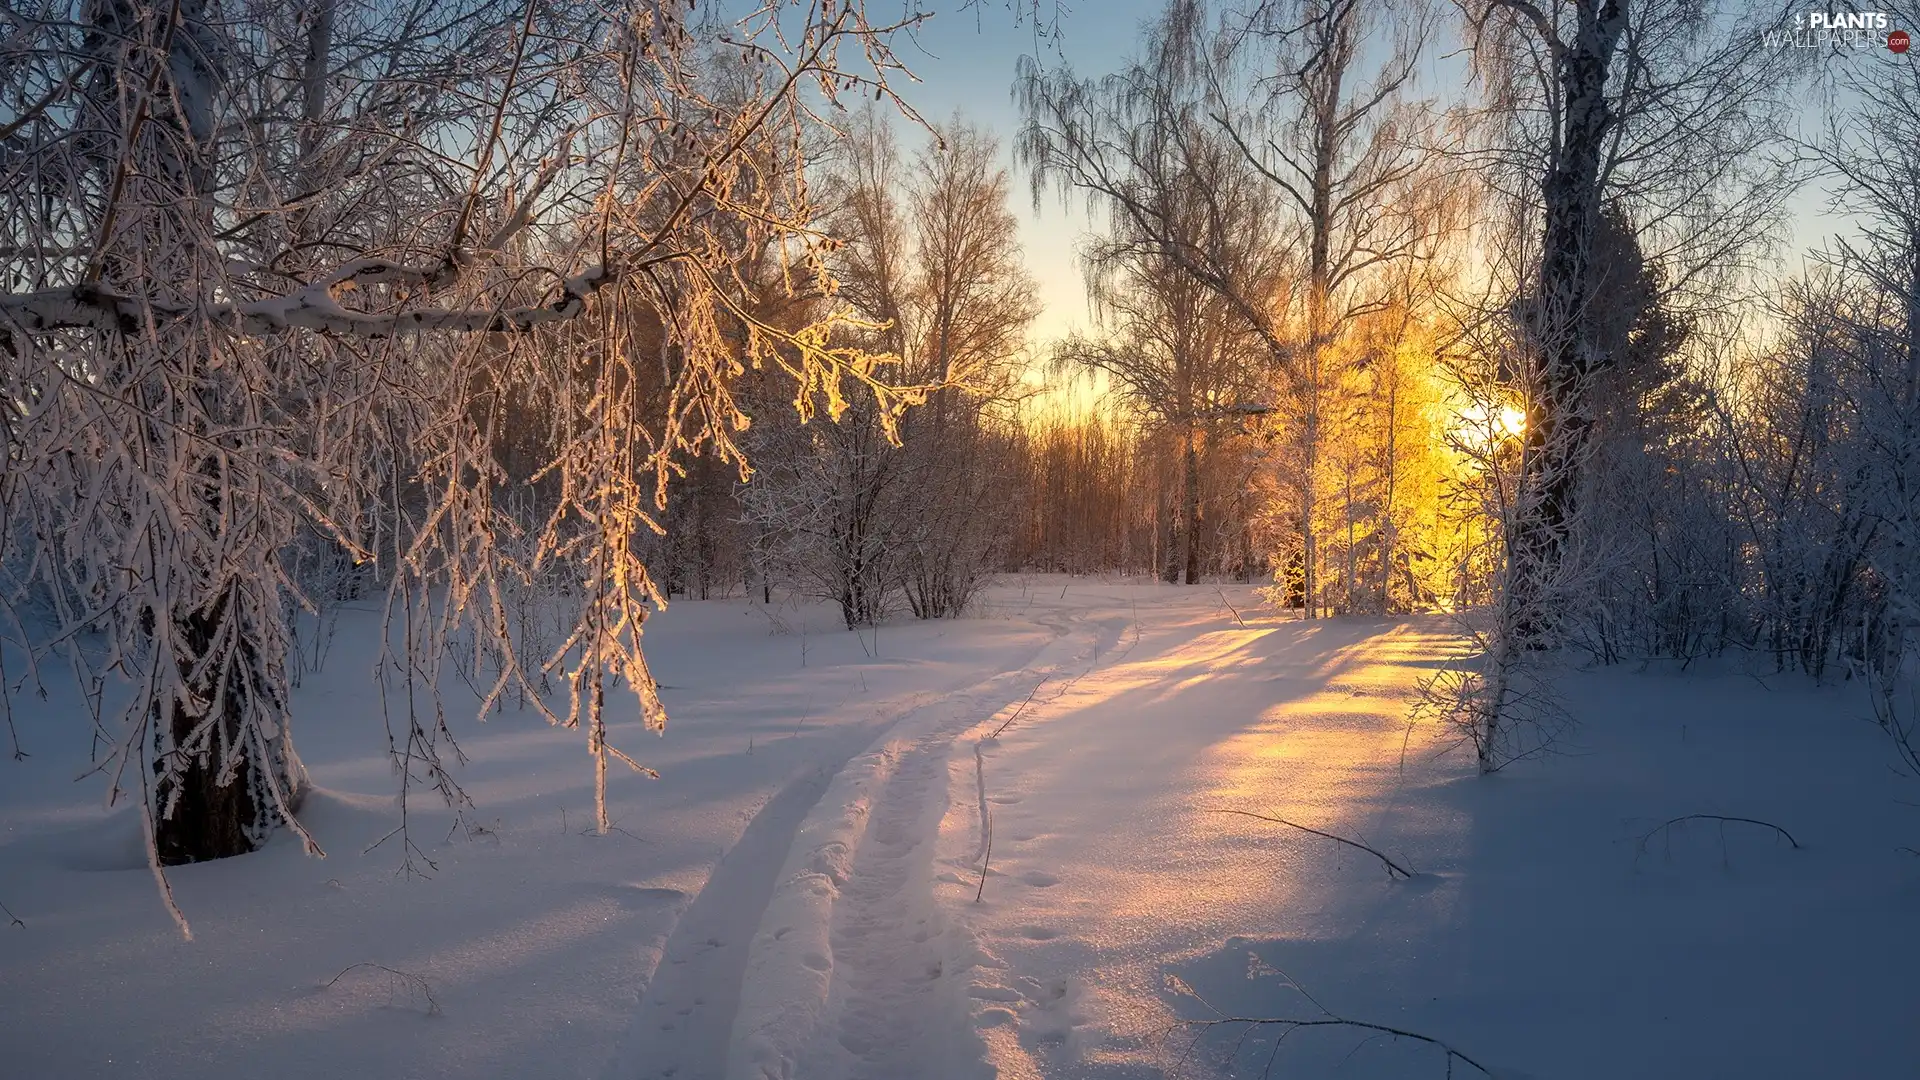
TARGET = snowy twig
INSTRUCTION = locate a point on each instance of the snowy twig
(14, 919)
(1230, 607)
(1394, 869)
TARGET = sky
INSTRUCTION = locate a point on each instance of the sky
(965, 55)
(965, 60)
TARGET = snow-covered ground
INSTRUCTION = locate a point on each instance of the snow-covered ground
(800, 893)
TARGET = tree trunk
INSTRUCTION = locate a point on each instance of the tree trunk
(1565, 354)
(1190, 510)
(201, 817)
(1327, 139)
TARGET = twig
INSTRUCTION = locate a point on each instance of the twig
(979, 895)
(1022, 708)
(1290, 1024)
(1641, 846)
(409, 978)
(1230, 607)
(613, 829)
(16, 919)
(1393, 868)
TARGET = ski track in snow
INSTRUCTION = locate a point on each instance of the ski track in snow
(889, 947)
(685, 1015)
(789, 962)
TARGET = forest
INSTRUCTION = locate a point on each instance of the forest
(1582, 334)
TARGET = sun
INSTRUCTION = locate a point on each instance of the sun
(1476, 424)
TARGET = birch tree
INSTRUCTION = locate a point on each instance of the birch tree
(263, 268)
(1278, 88)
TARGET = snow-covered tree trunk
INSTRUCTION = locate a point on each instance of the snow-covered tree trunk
(224, 773)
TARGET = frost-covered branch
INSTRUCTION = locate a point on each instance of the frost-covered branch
(458, 303)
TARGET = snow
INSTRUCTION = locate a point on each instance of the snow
(795, 896)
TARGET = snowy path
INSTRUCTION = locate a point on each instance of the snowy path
(854, 974)
(1110, 871)
(887, 1021)
(869, 960)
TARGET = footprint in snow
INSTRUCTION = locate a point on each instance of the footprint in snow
(855, 1045)
(1039, 879)
(1039, 933)
(995, 1017)
(643, 894)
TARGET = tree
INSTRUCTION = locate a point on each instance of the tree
(243, 307)
(1649, 111)
(1339, 142)
(1262, 125)
(975, 302)
(932, 262)
(1187, 270)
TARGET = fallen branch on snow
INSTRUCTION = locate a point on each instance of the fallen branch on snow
(980, 894)
(1230, 607)
(1393, 868)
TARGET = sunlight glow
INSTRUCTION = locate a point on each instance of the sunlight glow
(1475, 424)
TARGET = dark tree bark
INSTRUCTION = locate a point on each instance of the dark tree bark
(1566, 350)
(212, 809)
(1190, 508)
